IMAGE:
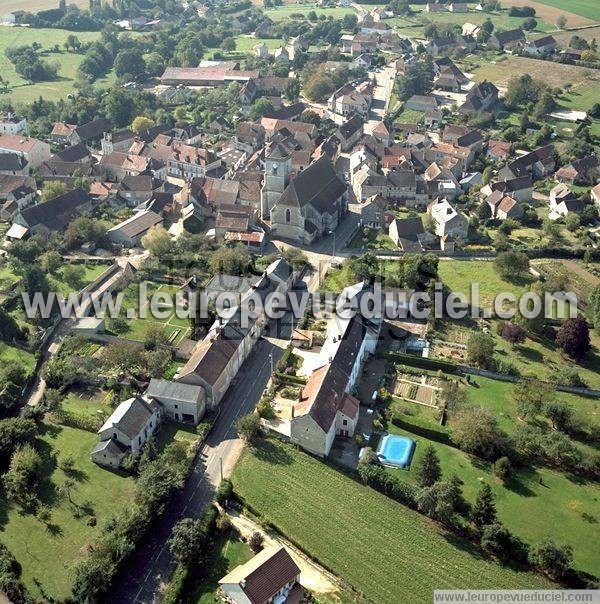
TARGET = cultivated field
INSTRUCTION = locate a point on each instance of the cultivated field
(69, 62)
(386, 551)
(577, 12)
(36, 5)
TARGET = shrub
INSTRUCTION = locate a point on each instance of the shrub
(502, 469)
(475, 431)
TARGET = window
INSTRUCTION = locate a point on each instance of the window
(288, 215)
(345, 422)
(176, 407)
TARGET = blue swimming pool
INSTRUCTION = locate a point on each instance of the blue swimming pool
(396, 451)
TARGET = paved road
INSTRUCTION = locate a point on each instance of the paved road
(152, 564)
(381, 96)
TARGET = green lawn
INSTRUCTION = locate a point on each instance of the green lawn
(384, 550)
(47, 554)
(87, 403)
(582, 97)
(409, 116)
(22, 91)
(535, 504)
(175, 328)
(12, 353)
(92, 272)
(459, 275)
(375, 240)
(7, 276)
(228, 553)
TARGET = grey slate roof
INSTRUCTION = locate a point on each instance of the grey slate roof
(185, 393)
(318, 186)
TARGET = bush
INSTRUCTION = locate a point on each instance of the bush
(439, 435)
(502, 469)
(381, 480)
(224, 491)
(475, 431)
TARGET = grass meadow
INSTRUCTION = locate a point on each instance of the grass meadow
(537, 502)
(47, 553)
(23, 91)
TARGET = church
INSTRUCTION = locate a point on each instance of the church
(301, 207)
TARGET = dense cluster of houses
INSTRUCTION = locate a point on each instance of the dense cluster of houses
(202, 382)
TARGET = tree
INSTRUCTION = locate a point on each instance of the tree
(560, 414)
(529, 24)
(483, 210)
(511, 265)
(440, 501)
(475, 431)
(502, 469)
(574, 337)
(52, 189)
(417, 79)
(453, 395)
(496, 540)
(51, 261)
(73, 275)
(256, 542)
(157, 241)
(484, 509)
(480, 350)
(552, 559)
(24, 473)
(233, 261)
(155, 64)
(224, 491)
(130, 62)
(73, 42)
(154, 336)
(594, 308)
(513, 333)
(427, 469)
(141, 123)
(228, 44)
(530, 396)
(248, 426)
(292, 89)
(259, 108)
(561, 22)
(187, 540)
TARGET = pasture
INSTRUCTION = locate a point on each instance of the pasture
(287, 11)
(501, 70)
(384, 550)
(23, 91)
(47, 552)
(460, 275)
(34, 6)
